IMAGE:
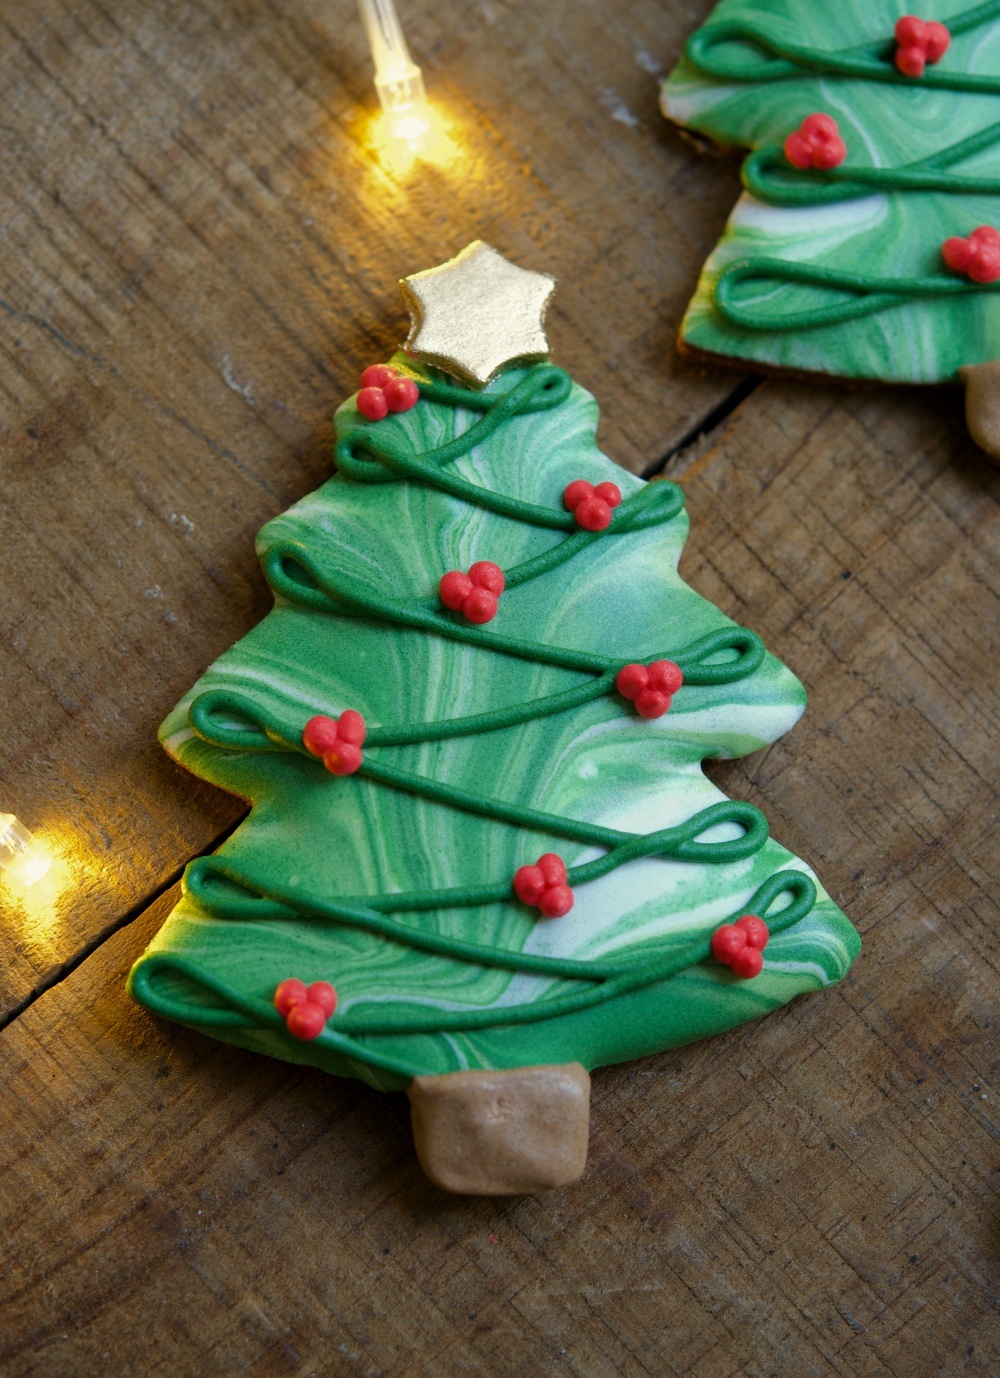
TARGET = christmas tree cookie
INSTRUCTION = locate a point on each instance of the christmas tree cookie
(482, 857)
(867, 242)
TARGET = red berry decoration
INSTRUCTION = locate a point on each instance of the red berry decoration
(747, 963)
(919, 42)
(384, 390)
(377, 376)
(575, 492)
(306, 1021)
(486, 575)
(319, 735)
(631, 680)
(480, 606)
(652, 704)
(816, 144)
(556, 901)
(305, 1010)
(289, 993)
(977, 256)
(755, 929)
(544, 887)
(650, 687)
(475, 595)
(372, 404)
(323, 994)
(344, 759)
(337, 741)
(351, 727)
(739, 945)
(401, 394)
(529, 884)
(454, 588)
(592, 507)
(726, 942)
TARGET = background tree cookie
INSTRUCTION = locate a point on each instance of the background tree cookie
(867, 242)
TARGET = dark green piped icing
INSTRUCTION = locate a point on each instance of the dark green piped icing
(437, 964)
(768, 175)
(870, 62)
(604, 981)
(855, 294)
(789, 286)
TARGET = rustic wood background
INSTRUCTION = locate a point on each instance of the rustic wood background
(198, 251)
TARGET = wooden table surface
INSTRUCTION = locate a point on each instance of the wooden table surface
(198, 254)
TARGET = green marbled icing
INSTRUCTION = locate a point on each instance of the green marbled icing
(889, 238)
(313, 834)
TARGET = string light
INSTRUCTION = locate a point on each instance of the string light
(398, 79)
(23, 859)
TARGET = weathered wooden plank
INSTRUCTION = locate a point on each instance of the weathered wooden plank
(198, 252)
(812, 1195)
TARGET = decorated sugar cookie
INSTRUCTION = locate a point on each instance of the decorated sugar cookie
(867, 243)
(482, 857)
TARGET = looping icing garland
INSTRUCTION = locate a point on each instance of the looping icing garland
(732, 51)
(768, 175)
(235, 897)
(761, 56)
(226, 719)
(862, 295)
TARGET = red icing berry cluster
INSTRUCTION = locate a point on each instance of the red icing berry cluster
(384, 390)
(592, 507)
(977, 256)
(305, 1009)
(544, 887)
(739, 945)
(476, 595)
(337, 740)
(650, 687)
(919, 42)
(816, 143)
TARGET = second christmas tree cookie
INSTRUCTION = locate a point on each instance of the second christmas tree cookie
(482, 857)
(867, 242)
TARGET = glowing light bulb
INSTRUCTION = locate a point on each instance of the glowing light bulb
(398, 79)
(23, 860)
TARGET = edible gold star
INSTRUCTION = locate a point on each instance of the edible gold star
(476, 314)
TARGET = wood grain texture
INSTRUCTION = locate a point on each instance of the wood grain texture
(198, 254)
(815, 1194)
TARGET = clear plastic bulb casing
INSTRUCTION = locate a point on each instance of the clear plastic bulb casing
(398, 80)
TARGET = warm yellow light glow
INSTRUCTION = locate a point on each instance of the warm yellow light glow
(23, 860)
(33, 883)
(29, 868)
(402, 140)
(411, 125)
(34, 872)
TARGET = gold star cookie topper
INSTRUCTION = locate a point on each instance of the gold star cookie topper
(477, 314)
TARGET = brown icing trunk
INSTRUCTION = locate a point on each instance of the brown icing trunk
(982, 405)
(502, 1133)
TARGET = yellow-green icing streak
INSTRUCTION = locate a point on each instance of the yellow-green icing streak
(842, 272)
(328, 868)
